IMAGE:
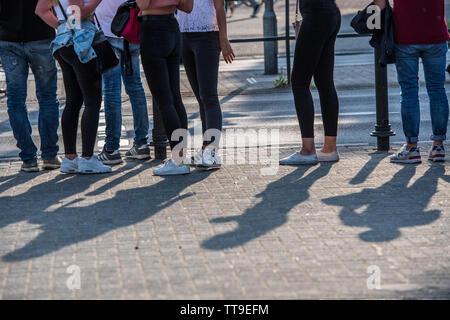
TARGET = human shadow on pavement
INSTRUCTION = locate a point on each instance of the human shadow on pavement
(84, 219)
(277, 200)
(37, 199)
(392, 206)
(368, 168)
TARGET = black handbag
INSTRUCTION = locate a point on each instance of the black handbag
(106, 57)
(122, 17)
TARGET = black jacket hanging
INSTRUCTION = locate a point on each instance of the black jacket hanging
(382, 39)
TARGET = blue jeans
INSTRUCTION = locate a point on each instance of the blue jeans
(17, 58)
(112, 90)
(434, 63)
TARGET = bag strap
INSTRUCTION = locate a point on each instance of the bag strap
(65, 16)
(98, 22)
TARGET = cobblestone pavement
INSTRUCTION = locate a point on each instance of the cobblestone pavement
(305, 232)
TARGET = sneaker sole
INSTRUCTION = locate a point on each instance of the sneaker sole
(30, 170)
(171, 174)
(92, 172)
(51, 167)
(112, 162)
(203, 167)
(437, 159)
(140, 157)
(70, 171)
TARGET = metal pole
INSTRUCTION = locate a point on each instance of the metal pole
(270, 47)
(159, 138)
(288, 44)
(383, 129)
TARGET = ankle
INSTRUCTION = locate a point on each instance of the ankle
(411, 145)
(307, 152)
(438, 143)
(70, 156)
(329, 149)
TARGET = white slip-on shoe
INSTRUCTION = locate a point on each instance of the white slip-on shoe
(93, 165)
(210, 160)
(299, 159)
(170, 168)
(69, 166)
(327, 157)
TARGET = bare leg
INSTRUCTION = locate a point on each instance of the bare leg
(308, 147)
(329, 145)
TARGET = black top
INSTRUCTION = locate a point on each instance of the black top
(318, 4)
(19, 23)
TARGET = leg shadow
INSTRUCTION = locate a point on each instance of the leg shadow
(389, 208)
(369, 167)
(271, 212)
(83, 220)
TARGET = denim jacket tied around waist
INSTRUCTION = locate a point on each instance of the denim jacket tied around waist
(82, 39)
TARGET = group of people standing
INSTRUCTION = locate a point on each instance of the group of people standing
(169, 30)
(196, 31)
(420, 33)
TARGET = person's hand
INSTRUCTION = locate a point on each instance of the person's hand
(380, 3)
(227, 51)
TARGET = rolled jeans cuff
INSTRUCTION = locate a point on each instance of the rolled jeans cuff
(438, 138)
(412, 139)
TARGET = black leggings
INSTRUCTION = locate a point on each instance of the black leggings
(82, 85)
(160, 53)
(314, 56)
(201, 55)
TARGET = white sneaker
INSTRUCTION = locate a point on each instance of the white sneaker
(93, 165)
(407, 156)
(436, 154)
(170, 168)
(298, 159)
(195, 160)
(69, 166)
(210, 160)
(327, 157)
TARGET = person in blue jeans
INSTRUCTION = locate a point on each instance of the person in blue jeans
(112, 91)
(25, 43)
(421, 33)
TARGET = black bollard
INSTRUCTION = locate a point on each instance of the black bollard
(383, 129)
(270, 47)
(288, 43)
(159, 137)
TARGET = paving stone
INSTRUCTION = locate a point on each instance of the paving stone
(241, 243)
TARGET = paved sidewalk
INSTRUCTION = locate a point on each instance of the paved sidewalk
(305, 232)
